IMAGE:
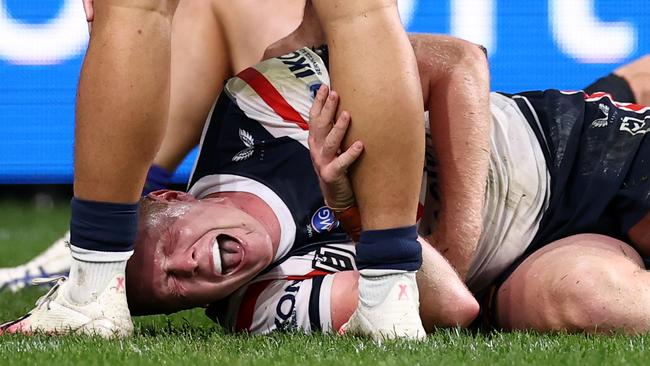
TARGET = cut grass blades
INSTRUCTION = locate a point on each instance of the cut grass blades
(189, 338)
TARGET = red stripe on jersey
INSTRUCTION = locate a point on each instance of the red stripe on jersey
(272, 97)
(247, 305)
(312, 274)
(629, 106)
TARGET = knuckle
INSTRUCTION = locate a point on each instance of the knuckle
(330, 145)
(340, 128)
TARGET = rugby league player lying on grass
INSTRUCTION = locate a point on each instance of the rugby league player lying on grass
(277, 184)
(537, 196)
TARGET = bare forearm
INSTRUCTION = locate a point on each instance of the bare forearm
(444, 299)
(457, 79)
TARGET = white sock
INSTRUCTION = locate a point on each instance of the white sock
(89, 279)
(375, 284)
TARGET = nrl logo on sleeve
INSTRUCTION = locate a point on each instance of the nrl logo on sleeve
(333, 259)
(634, 126)
(323, 220)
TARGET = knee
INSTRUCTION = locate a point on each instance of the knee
(463, 312)
(458, 308)
(594, 299)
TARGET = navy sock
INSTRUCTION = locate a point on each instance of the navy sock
(103, 226)
(157, 178)
(396, 249)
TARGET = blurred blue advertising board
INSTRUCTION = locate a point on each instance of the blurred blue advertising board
(533, 44)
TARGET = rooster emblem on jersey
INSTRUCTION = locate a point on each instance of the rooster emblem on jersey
(601, 122)
(248, 151)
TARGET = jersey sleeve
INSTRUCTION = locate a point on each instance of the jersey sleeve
(300, 304)
(294, 293)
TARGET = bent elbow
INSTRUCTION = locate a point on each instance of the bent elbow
(464, 313)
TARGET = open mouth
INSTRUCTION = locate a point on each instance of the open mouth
(227, 254)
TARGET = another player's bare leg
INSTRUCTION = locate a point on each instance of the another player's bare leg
(122, 104)
(587, 282)
(198, 69)
(374, 70)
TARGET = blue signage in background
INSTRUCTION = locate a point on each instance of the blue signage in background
(533, 44)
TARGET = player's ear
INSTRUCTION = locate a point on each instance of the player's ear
(166, 195)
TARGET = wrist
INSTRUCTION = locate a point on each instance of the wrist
(350, 220)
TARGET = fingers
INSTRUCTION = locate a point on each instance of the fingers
(323, 110)
(321, 116)
(335, 137)
(328, 112)
(319, 101)
(335, 172)
(325, 137)
(349, 156)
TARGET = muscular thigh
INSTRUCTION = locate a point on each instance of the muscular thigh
(577, 283)
(250, 26)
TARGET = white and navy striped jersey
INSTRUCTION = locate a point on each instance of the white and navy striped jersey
(255, 141)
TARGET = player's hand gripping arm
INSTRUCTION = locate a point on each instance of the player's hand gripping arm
(444, 299)
(331, 164)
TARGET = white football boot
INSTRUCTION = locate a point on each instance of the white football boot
(54, 261)
(107, 315)
(396, 315)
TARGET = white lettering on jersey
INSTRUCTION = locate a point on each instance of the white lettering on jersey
(635, 126)
(285, 310)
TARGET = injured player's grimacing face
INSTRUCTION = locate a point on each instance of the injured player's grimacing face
(192, 252)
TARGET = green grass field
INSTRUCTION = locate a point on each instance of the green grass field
(189, 338)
